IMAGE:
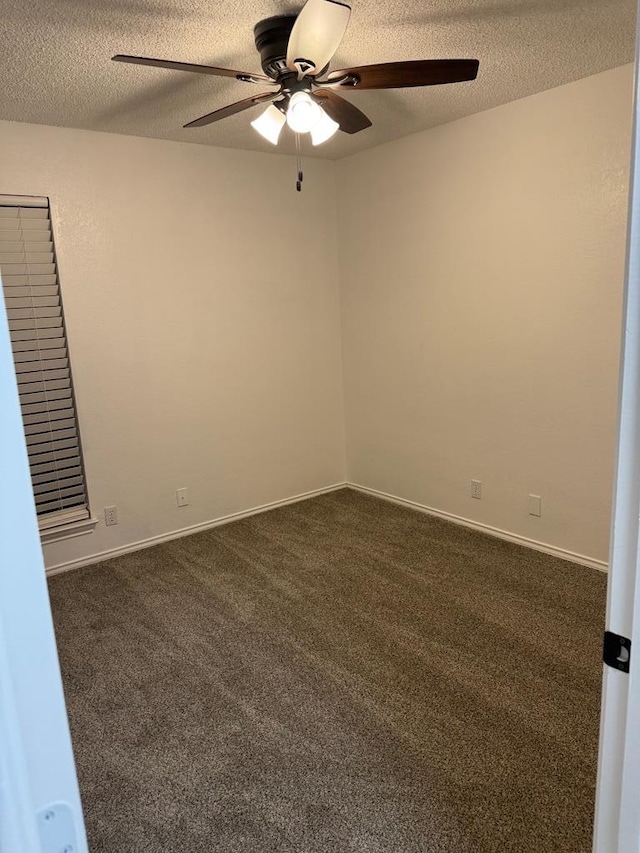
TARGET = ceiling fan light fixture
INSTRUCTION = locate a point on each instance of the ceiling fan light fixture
(296, 52)
(269, 124)
(323, 129)
(303, 112)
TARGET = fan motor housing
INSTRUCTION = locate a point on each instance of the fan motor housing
(272, 37)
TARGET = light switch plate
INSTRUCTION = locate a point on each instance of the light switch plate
(535, 505)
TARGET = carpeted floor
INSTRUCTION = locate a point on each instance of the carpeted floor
(337, 675)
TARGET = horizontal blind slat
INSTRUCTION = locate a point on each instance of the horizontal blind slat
(28, 269)
(45, 452)
(9, 243)
(40, 390)
(60, 494)
(51, 520)
(14, 205)
(41, 354)
(49, 420)
(47, 430)
(50, 501)
(39, 230)
(33, 301)
(47, 364)
(24, 279)
(34, 324)
(53, 379)
(42, 381)
(37, 343)
(41, 396)
(68, 485)
(33, 207)
(32, 290)
(57, 463)
(32, 313)
(27, 224)
(66, 474)
(47, 414)
(39, 439)
(28, 256)
(46, 333)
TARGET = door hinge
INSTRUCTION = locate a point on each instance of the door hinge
(617, 651)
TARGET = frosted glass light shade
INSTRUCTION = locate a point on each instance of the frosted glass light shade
(323, 129)
(316, 34)
(303, 113)
(269, 124)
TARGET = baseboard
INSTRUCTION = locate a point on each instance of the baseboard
(186, 531)
(236, 516)
(583, 560)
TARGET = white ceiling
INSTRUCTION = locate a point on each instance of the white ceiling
(55, 61)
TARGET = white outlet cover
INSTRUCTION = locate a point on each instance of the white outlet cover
(110, 515)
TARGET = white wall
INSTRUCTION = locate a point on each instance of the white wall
(201, 299)
(481, 272)
(481, 269)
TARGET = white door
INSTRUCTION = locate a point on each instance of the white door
(617, 818)
(40, 809)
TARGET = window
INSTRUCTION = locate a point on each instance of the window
(41, 358)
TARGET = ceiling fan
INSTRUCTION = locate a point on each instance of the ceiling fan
(295, 53)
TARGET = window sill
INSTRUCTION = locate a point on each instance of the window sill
(68, 531)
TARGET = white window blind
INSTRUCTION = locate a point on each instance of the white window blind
(36, 324)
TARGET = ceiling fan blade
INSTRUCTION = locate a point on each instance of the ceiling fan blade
(232, 109)
(190, 66)
(400, 75)
(349, 117)
(316, 34)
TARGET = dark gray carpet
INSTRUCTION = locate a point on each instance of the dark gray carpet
(338, 675)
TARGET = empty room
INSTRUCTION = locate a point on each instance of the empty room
(316, 318)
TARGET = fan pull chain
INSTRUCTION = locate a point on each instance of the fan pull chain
(298, 165)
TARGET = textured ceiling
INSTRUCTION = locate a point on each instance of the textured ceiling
(56, 68)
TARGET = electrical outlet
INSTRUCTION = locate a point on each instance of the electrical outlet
(110, 515)
(535, 505)
(182, 498)
(476, 489)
